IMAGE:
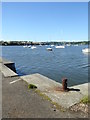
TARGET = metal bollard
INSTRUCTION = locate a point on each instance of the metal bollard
(64, 84)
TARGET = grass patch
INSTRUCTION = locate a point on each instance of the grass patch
(85, 100)
(58, 106)
(47, 98)
(43, 95)
(31, 86)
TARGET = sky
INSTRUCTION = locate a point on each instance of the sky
(45, 21)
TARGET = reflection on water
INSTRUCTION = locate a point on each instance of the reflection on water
(69, 62)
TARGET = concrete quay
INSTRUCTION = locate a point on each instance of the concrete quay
(49, 88)
(20, 102)
(7, 68)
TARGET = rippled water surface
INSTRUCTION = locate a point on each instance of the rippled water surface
(69, 62)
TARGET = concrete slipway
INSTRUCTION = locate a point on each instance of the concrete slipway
(48, 87)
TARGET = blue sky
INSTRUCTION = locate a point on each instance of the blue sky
(49, 21)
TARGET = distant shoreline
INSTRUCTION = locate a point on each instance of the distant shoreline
(20, 43)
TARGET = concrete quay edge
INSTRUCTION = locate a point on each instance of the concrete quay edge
(7, 68)
(48, 87)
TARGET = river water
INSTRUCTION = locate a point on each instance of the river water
(69, 62)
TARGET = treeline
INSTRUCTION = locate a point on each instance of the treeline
(18, 43)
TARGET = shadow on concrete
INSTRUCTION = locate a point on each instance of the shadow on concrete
(72, 89)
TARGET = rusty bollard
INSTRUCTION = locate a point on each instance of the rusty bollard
(64, 84)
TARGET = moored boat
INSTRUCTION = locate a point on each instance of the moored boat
(25, 46)
(86, 50)
(49, 49)
(52, 45)
(68, 45)
(33, 47)
(60, 46)
(29, 46)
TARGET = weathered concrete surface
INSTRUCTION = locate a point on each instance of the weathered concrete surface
(8, 64)
(83, 88)
(7, 71)
(42, 82)
(48, 87)
(20, 102)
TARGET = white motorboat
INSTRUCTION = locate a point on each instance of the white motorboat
(52, 45)
(68, 45)
(25, 46)
(29, 46)
(86, 50)
(49, 49)
(33, 47)
(60, 46)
